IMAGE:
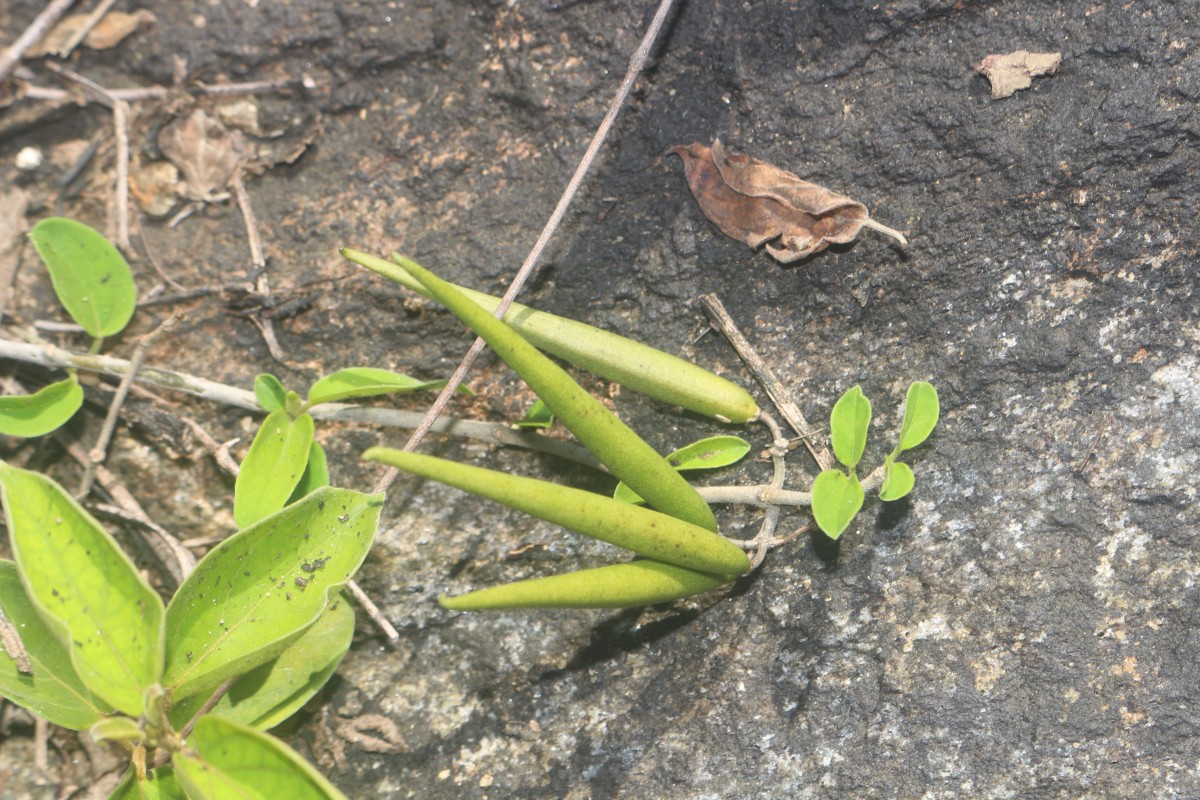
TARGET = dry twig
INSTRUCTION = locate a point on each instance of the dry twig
(44, 22)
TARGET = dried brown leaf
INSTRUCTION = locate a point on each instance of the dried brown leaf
(1012, 72)
(108, 33)
(760, 204)
(205, 151)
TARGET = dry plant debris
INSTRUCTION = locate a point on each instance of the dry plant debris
(760, 204)
(205, 151)
(108, 33)
(1012, 72)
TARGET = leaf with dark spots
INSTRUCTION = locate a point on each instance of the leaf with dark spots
(762, 205)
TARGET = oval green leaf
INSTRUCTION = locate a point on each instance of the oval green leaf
(267, 695)
(898, 480)
(160, 784)
(921, 412)
(51, 689)
(612, 442)
(273, 467)
(261, 588)
(270, 392)
(347, 384)
(90, 276)
(632, 364)
(228, 761)
(638, 583)
(836, 498)
(40, 413)
(711, 453)
(641, 530)
(316, 473)
(848, 426)
(85, 588)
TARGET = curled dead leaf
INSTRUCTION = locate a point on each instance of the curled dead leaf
(156, 187)
(760, 204)
(1012, 72)
(205, 151)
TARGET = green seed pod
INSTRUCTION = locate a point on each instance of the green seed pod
(627, 362)
(641, 530)
(638, 583)
(597, 428)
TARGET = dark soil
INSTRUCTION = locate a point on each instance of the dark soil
(1023, 626)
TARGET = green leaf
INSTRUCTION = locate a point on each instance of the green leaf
(848, 426)
(270, 392)
(898, 480)
(316, 473)
(160, 784)
(52, 689)
(116, 729)
(90, 276)
(233, 761)
(632, 364)
(539, 415)
(631, 585)
(347, 384)
(711, 453)
(261, 588)
(612, 442)
(273, 466)
(268, 695)
(43, 412)
(920, 415)
(642, 530)
(836, 498)
(85, 588)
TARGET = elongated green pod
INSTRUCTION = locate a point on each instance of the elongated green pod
(612, 442)
(638, 583)
(616, 358)
(641, 530)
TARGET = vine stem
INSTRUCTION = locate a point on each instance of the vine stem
(636, 63)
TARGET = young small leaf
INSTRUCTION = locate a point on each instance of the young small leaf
(711, 453)
(90, 276)
(920, 415)
(116, 729)
(898, 480)
(347, 384)
(268, 695)
(85, 588)
(273, 466)
(42, 412)
(848, 426)
(270, 392)
(637, 583)
(51, 689)
(260, 589)
(160, 784)
(539, 415)
(316, 473)
(234, 761)
(836, 498)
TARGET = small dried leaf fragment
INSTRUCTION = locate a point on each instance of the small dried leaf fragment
(205, 151)
(1012, 72)
(760, 204)
(108, 32)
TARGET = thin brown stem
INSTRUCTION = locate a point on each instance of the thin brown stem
(636, 63)
(766, 377)
(32, 35)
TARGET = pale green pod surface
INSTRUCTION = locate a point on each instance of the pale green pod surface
(616, 358)
(597, 428)
(638, 583)
(641, 530)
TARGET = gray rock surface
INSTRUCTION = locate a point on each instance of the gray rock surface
(1023, 627)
